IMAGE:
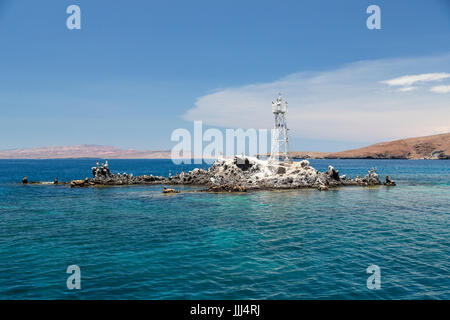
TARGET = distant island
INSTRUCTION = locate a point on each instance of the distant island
(82, 151)
(428, 147)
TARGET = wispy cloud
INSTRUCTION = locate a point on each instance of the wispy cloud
(412, 79)
(352, 103)
(407, 89)
(441, 89)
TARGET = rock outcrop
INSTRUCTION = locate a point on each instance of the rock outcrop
(227, 188)
(81, 183)
(103, 176)
(371, 179)
(170, 190)
(239, 174)
(389, 182)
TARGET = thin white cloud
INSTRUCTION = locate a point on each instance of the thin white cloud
(348, 104)
(412, 79)
(440, 89)
(407, 89)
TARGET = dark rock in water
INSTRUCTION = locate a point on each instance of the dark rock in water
(167, 190)
(389, 182)
(101, 172)
(104, 176)
(227, 188)
(78, 183)
(54, 182)
(333, 173)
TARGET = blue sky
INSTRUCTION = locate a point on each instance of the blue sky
(137, 70)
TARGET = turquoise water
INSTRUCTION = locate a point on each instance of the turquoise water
(135, 243)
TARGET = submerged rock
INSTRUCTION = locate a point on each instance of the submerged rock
(227, 188)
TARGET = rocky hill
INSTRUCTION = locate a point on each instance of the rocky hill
(428, 147)
(82, 151)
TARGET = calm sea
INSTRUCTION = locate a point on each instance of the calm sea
(135, 243)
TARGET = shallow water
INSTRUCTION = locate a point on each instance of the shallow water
(135, 243)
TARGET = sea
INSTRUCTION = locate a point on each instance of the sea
(133, 242)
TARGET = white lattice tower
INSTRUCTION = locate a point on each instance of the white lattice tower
(280, 144)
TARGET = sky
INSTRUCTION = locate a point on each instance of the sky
(137, 70)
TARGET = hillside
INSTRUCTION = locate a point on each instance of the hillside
(82, 151)
(428, 147)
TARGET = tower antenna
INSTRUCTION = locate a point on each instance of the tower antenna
(280, 141)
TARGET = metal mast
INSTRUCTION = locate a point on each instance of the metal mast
(280, 146)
